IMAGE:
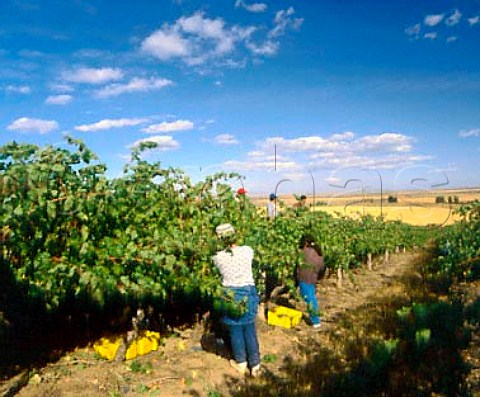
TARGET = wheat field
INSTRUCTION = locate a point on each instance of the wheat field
(414, 214)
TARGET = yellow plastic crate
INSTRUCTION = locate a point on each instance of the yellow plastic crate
(107, 348)
(284, 317)
(145, 343)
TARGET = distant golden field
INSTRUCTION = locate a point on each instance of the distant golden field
(416, 208)
(414, 215)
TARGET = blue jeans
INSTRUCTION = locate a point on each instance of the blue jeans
(244, 342)
(308, 294)
(242, 330)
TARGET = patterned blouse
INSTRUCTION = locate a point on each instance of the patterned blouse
(235, 266)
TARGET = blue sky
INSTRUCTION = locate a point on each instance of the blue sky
(333, 91)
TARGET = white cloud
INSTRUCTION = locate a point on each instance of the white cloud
(454, 19)
(134, 85)
(164, 142)
(300, 144)
(414, 30)
(344, 149)
(364, 162)
(165, 44)
(344, 136)
(433, 20)
(254, 7)
(92, 76)
(474, 20)
(474, 132)
(225, 139)
(283, 21)
(165, 127)
(108, 124)
(262, 165)
(197, 39)
(25, 124)
(256, 153)
(59, 99)
(62, 87)
(193, 39)
(338, 151)
(202, 27)
(267, 48)
(386, 142)
(18, 89)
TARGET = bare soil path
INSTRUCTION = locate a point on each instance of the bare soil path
(181, 367)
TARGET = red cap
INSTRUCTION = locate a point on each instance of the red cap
(241, 191)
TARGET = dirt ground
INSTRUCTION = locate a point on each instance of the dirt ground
(184, 366)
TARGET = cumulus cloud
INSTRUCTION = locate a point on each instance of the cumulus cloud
(197, 39)
(164, 142)
(300, 144)
(364, 162)
(346, 142)
(134, 85)
(165, 127)
(18, 89)
(59, 99)
(267, 48)
(264, 160)
(25, 124)
(225, 139)
(165, 44)
(92, 76)
(454, 19)
(283, 21)
(386, 142)
(474, 20)
(262, 165)
(434, 20)
(390, 150)
(474, 132)
(254, 7)
(414, 30)
(344, 136)
(108, 124)
(193, 39)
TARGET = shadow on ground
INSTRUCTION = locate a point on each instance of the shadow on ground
(397, 344)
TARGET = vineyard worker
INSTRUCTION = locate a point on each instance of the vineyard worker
(235, 265)
(301, 205)
(241, 196)
(308, 274)
(272, 206)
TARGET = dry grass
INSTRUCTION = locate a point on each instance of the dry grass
(413, 207)
(414, 215)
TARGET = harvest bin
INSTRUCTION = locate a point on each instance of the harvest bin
(284, 317)
(145, 343)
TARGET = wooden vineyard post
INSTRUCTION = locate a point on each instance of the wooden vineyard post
(386, 256)
(369, 261)
(339, 277)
